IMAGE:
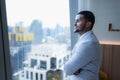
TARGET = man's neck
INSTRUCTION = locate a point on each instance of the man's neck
(82, 32)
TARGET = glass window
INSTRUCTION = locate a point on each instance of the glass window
(43, 64)
(31, 75)
(33, 62)
(39, 30)
(27, 74)
(60, 61)
(53, 63)
(36, 76)
(41, 76)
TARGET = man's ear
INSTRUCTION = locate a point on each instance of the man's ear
(88, 25)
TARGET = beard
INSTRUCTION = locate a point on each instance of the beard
(79, 30)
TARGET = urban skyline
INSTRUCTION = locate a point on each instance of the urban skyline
(42, 40)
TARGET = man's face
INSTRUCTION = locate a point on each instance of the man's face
(80, 23)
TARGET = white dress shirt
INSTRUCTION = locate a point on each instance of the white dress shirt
(85, 56)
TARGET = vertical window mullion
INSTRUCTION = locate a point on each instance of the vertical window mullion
(2, 66)
(5, 44)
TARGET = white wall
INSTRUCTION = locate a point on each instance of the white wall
(106, 11)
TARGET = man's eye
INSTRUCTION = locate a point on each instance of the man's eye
(78, 20)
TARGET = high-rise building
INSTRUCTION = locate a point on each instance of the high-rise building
(20, 44)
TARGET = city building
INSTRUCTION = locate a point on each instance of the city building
(43, 60)
(20, 44)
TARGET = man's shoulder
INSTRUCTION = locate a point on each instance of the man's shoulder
(89, 42)
(89, 38)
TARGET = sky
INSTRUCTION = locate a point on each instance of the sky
(50, 12)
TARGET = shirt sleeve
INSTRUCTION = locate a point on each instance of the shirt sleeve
(82, 56)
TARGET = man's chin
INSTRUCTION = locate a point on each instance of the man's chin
(77, 30)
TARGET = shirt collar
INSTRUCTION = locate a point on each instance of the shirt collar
(86, 33)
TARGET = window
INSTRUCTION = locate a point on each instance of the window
(31, 75)
(53, 63)
(22, 74)
(41, 76)
(33, 62)
(27, 74)
(60, 61)
(27, 27)
(43, 65)
(36, 76)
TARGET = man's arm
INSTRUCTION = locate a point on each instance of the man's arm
(82, 57)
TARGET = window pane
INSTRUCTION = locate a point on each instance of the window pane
(33, 62)
(31, 75)
(43, 65)
(39, 38)
(53, 63)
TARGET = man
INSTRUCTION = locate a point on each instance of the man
(85, 62)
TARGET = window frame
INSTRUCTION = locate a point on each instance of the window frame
(2, 63)
(5, 58)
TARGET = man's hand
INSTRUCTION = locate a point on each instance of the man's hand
(77, 72)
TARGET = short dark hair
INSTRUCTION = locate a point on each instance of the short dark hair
(89, 16)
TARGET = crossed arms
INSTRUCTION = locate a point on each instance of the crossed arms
(78, 60)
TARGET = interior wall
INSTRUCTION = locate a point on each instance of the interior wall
(106, 11)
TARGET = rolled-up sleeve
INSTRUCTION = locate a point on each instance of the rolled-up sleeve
(82, 56)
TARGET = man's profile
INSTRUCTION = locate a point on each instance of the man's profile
(85, 62)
